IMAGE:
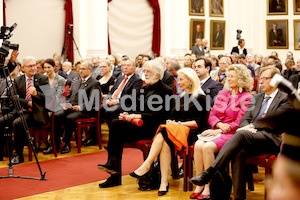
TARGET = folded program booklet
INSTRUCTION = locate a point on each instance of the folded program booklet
(208, 138)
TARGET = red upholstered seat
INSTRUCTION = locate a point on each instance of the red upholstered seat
(143, 145)
(88, 122)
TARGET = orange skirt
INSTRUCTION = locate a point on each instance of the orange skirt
(178, 134)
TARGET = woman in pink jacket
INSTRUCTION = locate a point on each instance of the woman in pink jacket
(229, 108)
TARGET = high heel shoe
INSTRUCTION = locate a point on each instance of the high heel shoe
(134, 175)
(162, 193)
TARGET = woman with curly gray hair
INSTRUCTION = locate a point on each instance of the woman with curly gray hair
(230, 105)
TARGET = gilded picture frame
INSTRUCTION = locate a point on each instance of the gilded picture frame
(217, 34)
(277, 34)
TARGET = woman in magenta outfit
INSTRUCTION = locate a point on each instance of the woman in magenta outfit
(229, 108)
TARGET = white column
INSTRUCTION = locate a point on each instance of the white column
(179, 35)
(90, 22)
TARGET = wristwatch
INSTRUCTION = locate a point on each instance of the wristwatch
(251, 125)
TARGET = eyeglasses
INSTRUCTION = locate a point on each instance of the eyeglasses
(83, 69)
(29, 66)
(103, 66)
(264, 78)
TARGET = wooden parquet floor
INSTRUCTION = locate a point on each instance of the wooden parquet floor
(129, 188)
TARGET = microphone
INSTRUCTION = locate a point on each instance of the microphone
(286, 86)
(134, 121)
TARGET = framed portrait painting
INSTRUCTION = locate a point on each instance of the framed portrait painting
(196, 7)
(277, 7)
(277, 34)
(296, 7)
(217, 35)
(297, 34)
(216, 8)
(197, 30)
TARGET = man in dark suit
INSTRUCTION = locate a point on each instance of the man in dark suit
(168, 79)
(218, 37)
(124, 86)
(240, 49)
(85, 88)
(295, 79)
(32, 100)
(72, 76)
(276, 36)
(209, 86)
(253, 137)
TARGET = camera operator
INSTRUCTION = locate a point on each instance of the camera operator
(240, 48)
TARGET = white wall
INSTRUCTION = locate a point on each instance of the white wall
(41, 24)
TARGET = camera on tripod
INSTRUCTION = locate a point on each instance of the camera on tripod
(6, 45)
(238, 34)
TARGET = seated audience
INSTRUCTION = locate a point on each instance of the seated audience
(220, 74)
(173, 69)
(187, 61)
(229, 108)
(71, 75)
(107, 80)
(252, 138)
(67, 117)
(290, 70)
(122, 131)
(295, 79)
(39, 66)
(96, 70)
(180, 130)
(209, 86)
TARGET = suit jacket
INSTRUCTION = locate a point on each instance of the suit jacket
(211, 88)
(278, 37)
(218, 40)
(72, 76)
(134, 83)
(40, 114)
(279, 105)
(295, 80)
(89, 86)
(229, 110)
(168, 79)
(236, 50)
(196, 50)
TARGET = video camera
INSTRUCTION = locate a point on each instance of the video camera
(6, 45)
(238, 34)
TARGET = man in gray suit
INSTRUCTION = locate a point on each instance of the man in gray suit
(254, 137)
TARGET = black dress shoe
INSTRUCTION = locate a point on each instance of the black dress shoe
(108, 168)
(17, 159)
(134, 175)
(112, 181)
(204, 178)
(49, 150)
(162, 193)
(90, 142)
(65, 149)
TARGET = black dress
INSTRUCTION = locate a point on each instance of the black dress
(105, 87)
(194, 110)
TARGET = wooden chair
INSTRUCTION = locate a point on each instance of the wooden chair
(143, 145)
(88, 122)
(40, 129)
(186, 168)
(264, 160)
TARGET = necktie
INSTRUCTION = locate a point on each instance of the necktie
(263, 108)
(116, 94)
(28, 96)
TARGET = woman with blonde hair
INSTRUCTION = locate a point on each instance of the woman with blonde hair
(188, 113)
(230, 106)
(107, 80)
